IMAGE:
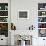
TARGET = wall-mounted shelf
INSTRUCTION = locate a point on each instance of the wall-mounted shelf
(41, 10)
(42, 16)
(3, 10)
(4, 19)
(3, 22)
(41, 28)
(41, 22)
(3, 16)
(42, 19)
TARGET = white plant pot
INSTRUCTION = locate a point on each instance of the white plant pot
(22, 43)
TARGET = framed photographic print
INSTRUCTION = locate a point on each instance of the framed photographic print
(23, 14)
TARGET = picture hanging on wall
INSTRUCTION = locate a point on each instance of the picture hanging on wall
(23, 14)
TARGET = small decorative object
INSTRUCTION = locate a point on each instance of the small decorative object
(45, 7)
(42, 32)
(42, 25)
(40, 19)
(23, 14)
(0, 7)
(3, 26)
(23, 40)
(26, 39)
(3, 19)
(41, 6)
(43, 13)
(31, 27)
(6, 7)
(13, 27)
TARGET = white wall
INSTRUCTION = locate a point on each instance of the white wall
(32, 6)
(23, 24)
